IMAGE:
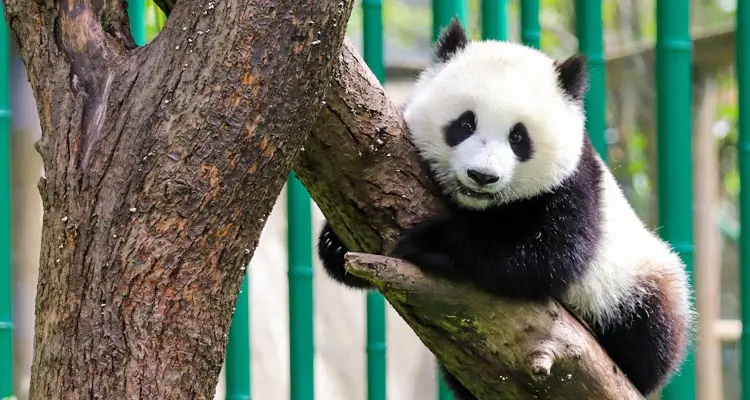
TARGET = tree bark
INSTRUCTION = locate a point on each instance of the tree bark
(500, 349)
(363, 172)
(162, 163)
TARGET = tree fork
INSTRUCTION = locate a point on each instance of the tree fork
(364, 173)
(161, 163)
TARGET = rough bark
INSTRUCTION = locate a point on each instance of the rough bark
(162, 164)
(363, 172)
(500, 349)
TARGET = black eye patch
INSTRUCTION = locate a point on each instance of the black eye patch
(460, 128)
(520, 142)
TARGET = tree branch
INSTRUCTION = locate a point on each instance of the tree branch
(363, 172)
(500, 349)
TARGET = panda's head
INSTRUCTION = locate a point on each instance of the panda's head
(497, 121)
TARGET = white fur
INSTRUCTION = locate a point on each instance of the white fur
(629, 253)
(505, 83)
(502, 83)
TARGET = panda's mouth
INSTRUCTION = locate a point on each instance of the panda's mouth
(473, 194)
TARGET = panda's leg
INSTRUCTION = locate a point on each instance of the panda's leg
(460, 392)
(331, 252)
(648, 339)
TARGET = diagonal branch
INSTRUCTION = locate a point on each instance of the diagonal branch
(500, 349)
(364, 173)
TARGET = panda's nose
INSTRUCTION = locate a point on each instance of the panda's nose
(482, 178)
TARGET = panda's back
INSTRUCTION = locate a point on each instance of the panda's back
(629, 259)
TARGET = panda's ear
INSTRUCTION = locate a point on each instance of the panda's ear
(573, 76)
(451, 40)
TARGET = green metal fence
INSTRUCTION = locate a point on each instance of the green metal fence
(743, 154)
(372, 12)
(674, 127)
(673, 78)
(6, 297)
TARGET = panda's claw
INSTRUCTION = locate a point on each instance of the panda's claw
(331, 252)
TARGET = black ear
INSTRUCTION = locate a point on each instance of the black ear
(451, 40)
(573, 76)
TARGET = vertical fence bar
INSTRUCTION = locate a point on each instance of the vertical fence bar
(301, 300)
(372, 11)
(494, 19)
(6, 293)
(136, 14)
(743, 148)
(238, 348)
(443, 12)
(530, 32)
(590, 42)
(674, 127)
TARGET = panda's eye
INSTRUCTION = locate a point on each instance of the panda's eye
(518, 133)
(467, 121)
(515, 137)
(520, 142)
(460, 128)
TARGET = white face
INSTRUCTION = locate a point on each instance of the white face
(495, 125)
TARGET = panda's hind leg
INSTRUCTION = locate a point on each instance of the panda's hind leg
(331, 252)
(460, 392)
(649, 339)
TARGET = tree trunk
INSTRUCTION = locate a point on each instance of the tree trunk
(162, 164)
(363, 172)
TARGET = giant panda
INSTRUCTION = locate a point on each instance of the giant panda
(533, 210)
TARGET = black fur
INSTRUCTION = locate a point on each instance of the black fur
(331, 251)
(573, 76)
(529, 249)
(638, 343)
(520, 142)
(451, 40)
(460, 128)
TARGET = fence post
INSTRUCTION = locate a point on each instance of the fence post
(674, 128)
(136, 16)
(590, 42)
(494, 19)
(743, 150)
(443, 12)
(6, 292)
(301, 299)
(530, 33)
(238, 348)
(377, 389)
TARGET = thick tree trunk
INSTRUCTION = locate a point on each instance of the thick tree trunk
(162, 164)
(362, 170)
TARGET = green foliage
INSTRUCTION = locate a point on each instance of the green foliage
(155, 20)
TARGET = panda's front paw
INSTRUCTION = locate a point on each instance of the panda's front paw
(331, 252)
(422, 246)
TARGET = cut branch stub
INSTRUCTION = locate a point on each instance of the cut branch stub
(498, 348)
